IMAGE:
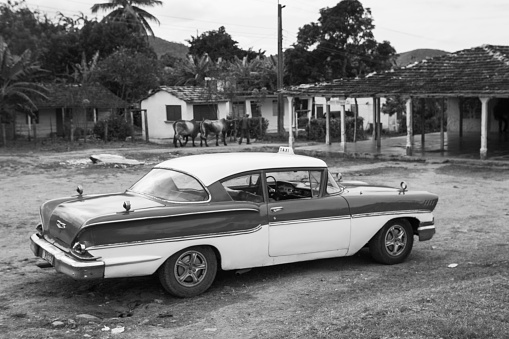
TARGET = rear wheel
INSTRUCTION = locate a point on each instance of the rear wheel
(189, 272)
(393, 243)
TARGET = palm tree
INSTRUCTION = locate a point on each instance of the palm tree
(16, 89)
(128, 11)
(194, 70)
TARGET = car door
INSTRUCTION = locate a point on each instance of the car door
(302, 216)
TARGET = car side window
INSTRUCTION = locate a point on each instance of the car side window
(286, 185)
(332, 186)
(246, 187)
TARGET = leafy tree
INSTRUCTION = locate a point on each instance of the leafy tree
(219, 45)
(394, 105)
(128, 11)
(107, 37)
(193, 71)
(341, 44)
(253, 74)
(16, 80)
(129, 74)
(20, 27)
(24, 29)
(17, 89)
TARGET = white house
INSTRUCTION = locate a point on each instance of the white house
(167, 104)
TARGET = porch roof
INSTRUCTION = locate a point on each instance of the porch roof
(479, 71)
(65, 95)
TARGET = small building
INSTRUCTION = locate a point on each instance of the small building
(167, 104)
(76, 106)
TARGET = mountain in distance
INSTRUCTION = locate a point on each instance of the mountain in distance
(180, 50)
(162, 47)
(416, 55)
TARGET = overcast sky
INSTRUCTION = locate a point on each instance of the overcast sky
(449, 25)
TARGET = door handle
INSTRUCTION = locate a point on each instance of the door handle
(276, 209)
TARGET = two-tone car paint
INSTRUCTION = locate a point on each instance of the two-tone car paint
(137, 240)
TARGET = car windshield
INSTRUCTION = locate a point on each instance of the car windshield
(170, 185)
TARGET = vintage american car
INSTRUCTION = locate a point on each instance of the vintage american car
(190, 216)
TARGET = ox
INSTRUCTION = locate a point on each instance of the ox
(216, 127)
(185, 129)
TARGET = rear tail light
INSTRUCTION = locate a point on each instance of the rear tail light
(79, 249)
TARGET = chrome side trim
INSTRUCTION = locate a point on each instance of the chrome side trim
(167, 216)
(305, 221)
(377, 214)
(178, 239)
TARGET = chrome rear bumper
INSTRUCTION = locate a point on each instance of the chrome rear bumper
(426, 231)
(65, 263)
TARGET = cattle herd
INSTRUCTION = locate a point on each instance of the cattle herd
(185, 129)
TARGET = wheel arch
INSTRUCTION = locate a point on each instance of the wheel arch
(414, 222)
(216, 251)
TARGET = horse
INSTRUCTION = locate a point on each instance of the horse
(216, 127)
(185, 128)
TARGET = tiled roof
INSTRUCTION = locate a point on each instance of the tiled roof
(64, 95)
(480, 71)
(192, 94)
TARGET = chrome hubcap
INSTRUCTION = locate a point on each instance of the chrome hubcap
(190, 268)
(395, 240)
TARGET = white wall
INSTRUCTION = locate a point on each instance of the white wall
(469, 125)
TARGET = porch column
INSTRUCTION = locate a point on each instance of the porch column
(327, 121)
(29, 117)
(342, 146)
(442, 115)
(409, 129)
(423, 126)
(290, 122)
(378, 125)
(374, 119)
(484, 127)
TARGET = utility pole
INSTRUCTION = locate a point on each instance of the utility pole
(280, 101)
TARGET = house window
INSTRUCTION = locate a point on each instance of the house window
(274, 108)
(90, 114)
(255, 109)
(173, 112)
(239, 108)
(33, 119)
(319, 111)
(202, 112)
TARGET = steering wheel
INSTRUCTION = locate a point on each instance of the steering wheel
(273, 192)
(286, 188)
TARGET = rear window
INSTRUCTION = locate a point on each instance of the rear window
(170, 185)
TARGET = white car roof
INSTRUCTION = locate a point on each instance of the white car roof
(212, 167)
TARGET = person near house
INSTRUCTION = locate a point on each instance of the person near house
(244, 129)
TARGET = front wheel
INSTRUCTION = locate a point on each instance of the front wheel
(189, 272)
(393, 243)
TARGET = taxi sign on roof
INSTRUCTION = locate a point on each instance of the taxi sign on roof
(285, 150)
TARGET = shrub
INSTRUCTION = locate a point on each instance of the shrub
(118, 128)
(316, 129)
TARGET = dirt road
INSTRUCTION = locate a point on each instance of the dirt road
(335, 298)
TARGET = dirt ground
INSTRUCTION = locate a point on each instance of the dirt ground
(349, 297)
